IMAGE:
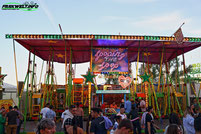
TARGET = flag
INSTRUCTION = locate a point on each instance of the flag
(2, 76)
(179, 36)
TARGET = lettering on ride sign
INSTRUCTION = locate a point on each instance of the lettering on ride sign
(109, 59)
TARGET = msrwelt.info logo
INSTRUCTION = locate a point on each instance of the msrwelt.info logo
(26, 6)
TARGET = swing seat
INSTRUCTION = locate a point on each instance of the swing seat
(159, 95)
(78, 80)
(179, 94)
(36, 95)
(61, 90)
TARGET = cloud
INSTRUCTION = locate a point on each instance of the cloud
(194, 32)
(161, 23)
(164, 23)
(49, 15)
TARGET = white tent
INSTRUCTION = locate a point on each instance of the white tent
(10, 92)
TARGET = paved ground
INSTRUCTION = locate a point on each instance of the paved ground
(31, 125)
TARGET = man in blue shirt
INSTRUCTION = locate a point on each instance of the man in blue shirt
(51, 114)
(127, 105)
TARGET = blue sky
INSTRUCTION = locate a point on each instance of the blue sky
(137, 17)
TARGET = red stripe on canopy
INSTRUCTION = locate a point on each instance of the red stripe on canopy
(150, 51)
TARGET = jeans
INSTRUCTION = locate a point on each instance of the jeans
(136, 125)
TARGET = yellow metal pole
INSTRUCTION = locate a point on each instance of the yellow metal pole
(160, 71)
(16, 70)
(66, 78)
(146, 93)
(89, 88)
(138, 57)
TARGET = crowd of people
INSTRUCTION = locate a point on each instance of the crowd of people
(127, 120)
(10, 121)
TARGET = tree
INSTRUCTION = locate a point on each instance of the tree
(111, 79)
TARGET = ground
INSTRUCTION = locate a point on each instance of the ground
(31, 125)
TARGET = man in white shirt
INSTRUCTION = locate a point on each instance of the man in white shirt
(45, 110)
(67, 116)
(122, 113)
(63, 117)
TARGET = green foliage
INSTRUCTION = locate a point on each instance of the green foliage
(111, 80)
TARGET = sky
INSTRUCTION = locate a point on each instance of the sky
(135, 17)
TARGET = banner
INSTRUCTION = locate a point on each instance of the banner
(110, 60)
(179, 36)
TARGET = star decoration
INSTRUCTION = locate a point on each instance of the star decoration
(145, 77)
(51, 41)
(89, 77)
(147, 54)
(60, 55)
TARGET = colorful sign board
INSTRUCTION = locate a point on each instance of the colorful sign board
(110, 60)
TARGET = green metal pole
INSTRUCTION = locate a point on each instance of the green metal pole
(178, 76)
(52, 81)
(186, 90)
(155, 97)
(167, 83)
(31, 93)
(26, 102)
(47, 85)
(20, 94)
(177, 100)
(138, 57)
(43, 99)
(149, 94)
(197, 97)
